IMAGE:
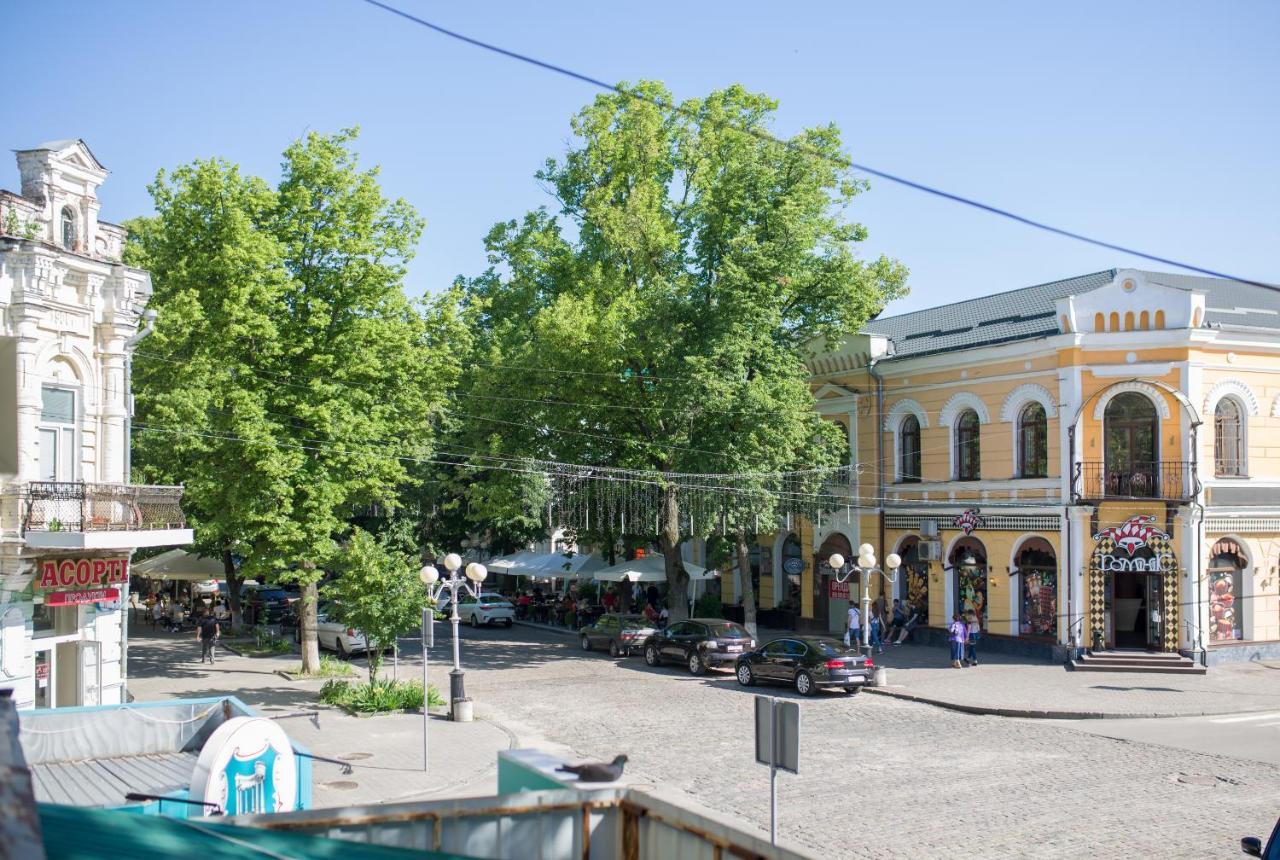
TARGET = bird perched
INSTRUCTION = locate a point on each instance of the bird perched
(597, 771)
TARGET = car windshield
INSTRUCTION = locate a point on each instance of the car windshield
(729, 631)
(495, 601)
(635, 621)
(831, 648)
(272, 594)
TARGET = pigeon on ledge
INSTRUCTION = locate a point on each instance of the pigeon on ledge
(597, 771)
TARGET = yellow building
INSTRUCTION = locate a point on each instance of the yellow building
(1089, 462)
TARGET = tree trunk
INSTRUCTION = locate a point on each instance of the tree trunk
(669, 543)
(745, 586)
(374, 656)
(307, 620)
(233, 590)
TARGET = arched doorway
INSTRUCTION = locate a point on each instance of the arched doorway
(1037, 568)
(968, 562)
(1226, 586)
(1131, 431)
(913, 580)
(832, 598)
(1133, 587)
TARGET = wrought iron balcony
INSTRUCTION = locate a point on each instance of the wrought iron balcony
(1168, 480)
(74, 506)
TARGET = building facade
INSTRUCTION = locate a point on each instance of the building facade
(1090, 462)
(71, 314)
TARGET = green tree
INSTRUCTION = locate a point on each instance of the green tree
(332, 374)
(377, 592)
(202, 405)
(659, 320)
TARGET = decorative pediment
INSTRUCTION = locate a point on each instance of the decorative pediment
(1131, 302)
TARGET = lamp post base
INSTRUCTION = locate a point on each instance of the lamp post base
(459, 704)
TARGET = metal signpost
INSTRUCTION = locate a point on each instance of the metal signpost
(428, 639)
(778, 746)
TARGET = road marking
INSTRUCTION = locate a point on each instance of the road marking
(1248, 718)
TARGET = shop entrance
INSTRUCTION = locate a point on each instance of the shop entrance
(68, 669)
(1136, 607)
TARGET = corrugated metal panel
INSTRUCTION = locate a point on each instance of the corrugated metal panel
(104, 782)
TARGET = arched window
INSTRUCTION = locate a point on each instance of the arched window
(1228, 438)
(968, 451)
(1037, 569)
(909, 450)
(969, 566)
(1226, 581)
(1132, 468)
(1033, 442)
(68, 228)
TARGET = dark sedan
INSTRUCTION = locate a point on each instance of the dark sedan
(621, 634)
(808, 663)
(698, 643)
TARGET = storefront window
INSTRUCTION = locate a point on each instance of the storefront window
(969, 566)
(1226, 581)
(913, 580)
(755, 571)
(792, 569)
(1037, 568)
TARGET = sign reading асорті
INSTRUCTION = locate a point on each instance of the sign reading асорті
(83, 572)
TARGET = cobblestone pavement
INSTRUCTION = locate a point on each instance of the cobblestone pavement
(1013, 683)
(880, 777)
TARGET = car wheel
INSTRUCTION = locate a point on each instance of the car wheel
(508, 623)
(343, 651)
(854, 690)
(746, 677)
(614, 651)
(804, 684)
(696, 664)
(586, 643)
(475, 621)
(651, 655)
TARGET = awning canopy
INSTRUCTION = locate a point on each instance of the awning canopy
(547, 565)
(180, 564)
(651, 568)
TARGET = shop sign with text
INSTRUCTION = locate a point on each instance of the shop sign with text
(839, 590)
(75, 598)
(94, 573)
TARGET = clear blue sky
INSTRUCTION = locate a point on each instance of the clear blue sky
(1153, 124)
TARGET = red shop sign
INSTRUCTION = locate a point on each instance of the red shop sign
(839, 590)
(73, 598)
(83, 572)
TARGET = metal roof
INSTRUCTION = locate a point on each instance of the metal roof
(105, 781)
(1029, 313)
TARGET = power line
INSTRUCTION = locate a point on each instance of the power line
(808, 149)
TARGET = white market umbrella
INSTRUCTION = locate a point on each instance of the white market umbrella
(581, 565)
(180, 564)
(651, 568)
(522, 563)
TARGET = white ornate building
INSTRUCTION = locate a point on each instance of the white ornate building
(71, 314)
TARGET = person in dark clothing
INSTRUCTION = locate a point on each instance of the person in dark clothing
(207, 631)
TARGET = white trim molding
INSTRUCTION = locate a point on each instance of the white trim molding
(1242, 393)
(959, 403)
(1025, 392)
(1150, 391)
(1275, 407)
(900, 409)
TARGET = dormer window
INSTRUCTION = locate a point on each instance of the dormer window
(68, 228)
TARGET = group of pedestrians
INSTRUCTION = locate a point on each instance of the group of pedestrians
(904, 620)
(965, 632)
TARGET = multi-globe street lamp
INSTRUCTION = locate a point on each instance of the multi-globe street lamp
(459, 704)
(866, 565)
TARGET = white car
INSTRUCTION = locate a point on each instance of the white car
(487, 610)
(334, 635)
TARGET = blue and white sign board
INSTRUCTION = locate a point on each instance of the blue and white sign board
(247, 766)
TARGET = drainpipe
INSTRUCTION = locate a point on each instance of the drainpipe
(1066, 512)
(1197, 489)
(875, 374)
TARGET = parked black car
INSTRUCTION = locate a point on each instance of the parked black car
(1253, 846)
(621, 634)
(265, 605)
(807, 662)
(698, 643)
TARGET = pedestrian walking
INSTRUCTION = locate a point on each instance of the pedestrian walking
(876, 642)
(975, 632)
(853, 629)
(207, 631)
(959, 636)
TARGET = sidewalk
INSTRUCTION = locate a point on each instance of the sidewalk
(1018, 687)
(385, 752)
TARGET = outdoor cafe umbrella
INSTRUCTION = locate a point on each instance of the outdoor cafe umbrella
(651, 568)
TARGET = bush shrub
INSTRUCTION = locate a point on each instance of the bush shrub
(330, 667)
(371, 697)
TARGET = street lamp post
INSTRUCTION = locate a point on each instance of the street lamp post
(459, 704)
(866, 565)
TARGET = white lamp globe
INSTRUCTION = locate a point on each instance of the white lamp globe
(476, 572)
(429, 575)
(452, 562)
(836, 561)
(866, 560)
(866, 550)
(893, 560)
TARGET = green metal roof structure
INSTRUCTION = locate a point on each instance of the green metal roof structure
(79, 833)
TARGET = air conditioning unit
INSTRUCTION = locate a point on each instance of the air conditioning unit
(930, 550)
(929, 528)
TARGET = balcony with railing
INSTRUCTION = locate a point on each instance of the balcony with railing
(1165, 480)
(76, 515)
